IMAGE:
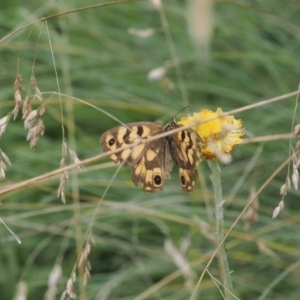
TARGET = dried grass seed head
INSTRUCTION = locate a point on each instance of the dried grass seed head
(34, 143)
(3, 124)
(34, 86)
(283, 190)
(63, 197)
(33, 82)
(64, 149)
(297, 130)
(141, 33)
(18, 103)
(70, 289)
(62, 163)
(83, 259)
(75, 158)
(18, 83)
(5, 157)
(157, 73)
(42, 110)
(278, 209)
(276, 212)
(295, 179)
(40, 127)
(64, 177)
(32, 133)
(17, 95)
(2, 170)
(30, 119)
(26, 110)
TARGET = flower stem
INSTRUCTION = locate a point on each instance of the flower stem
(223, 262)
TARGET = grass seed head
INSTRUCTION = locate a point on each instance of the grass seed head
(295, 179)
(2, 170)
(18, 103)
(64, 149)
(42, 110)
(32, 133)
(34, 143)
(62, 163)
(283, 190)
(3, 124)
(63, 197)
(40, 127)
(30, 119)
(5, 157)
(18, 83)
(297, 130)
(27, 109)
(157, 73)
(141, 33)
(33, 136)
(75, 159)
(278, 209)
(34, 86)
(64, 177)
(71, 289)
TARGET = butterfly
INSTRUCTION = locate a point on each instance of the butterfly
(152, 162)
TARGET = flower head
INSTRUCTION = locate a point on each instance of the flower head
(218, 136)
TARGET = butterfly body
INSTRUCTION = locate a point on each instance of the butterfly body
(151, 161)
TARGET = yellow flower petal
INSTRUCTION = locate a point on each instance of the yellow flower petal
(219, 136)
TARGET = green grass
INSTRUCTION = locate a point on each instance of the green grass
(253, 55)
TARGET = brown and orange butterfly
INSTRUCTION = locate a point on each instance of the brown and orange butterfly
(152, 162)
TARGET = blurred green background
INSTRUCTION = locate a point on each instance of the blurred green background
(224, 54)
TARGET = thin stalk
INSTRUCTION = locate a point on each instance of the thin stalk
(223, 262)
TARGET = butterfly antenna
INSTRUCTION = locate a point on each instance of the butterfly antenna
(181, 111)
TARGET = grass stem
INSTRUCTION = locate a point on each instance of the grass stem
(223, 262)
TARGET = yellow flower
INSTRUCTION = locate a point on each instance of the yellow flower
(219, 136)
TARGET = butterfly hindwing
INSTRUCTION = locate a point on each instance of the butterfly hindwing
(186, 152)
(154, 167)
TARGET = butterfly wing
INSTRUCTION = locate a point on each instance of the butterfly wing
(127, 134)
(154, 166)
(151, 162)
(186, 152)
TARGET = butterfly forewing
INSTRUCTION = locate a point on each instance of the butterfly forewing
(124, 135)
